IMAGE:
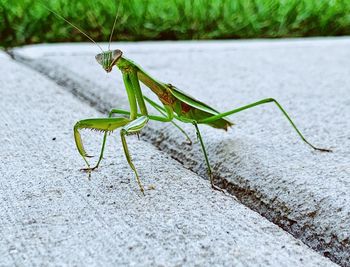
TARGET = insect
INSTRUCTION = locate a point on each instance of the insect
(175, 105)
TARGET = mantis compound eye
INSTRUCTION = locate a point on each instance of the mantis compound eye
(116, 54)
(99, 58)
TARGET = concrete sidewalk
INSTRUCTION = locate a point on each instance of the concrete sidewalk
(260, 160)
(52, 215)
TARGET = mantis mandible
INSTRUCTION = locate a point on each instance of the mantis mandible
(175, 105)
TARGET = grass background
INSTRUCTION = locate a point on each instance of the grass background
(27, 21)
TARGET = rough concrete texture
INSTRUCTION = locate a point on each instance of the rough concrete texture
(3, 55)
(51, 214)
(261, 160)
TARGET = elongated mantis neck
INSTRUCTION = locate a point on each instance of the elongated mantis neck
(133, 89)
(126, 65)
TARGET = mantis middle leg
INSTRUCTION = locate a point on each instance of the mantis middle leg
(199, 136)
(162, 111)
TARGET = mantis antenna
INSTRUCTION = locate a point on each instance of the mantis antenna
(115, 21)
(71, 24)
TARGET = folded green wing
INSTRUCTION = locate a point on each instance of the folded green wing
(191, 101)
(200, 106)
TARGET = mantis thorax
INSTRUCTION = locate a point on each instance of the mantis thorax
(125, 65)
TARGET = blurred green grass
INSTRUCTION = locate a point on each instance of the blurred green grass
(27, 21)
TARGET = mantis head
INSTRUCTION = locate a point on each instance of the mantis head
(108, 59)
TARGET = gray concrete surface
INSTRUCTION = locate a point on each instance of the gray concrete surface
(51, 214)
(260, 160)
(3, 55)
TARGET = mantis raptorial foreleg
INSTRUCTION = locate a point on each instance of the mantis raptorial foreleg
(133, 127)
(165, 118)
(264, 101)
(98, 124)
(108, 125)
(103, 145)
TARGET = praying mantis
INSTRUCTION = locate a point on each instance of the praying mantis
(175, 105)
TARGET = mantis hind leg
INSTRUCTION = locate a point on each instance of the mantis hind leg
(133, 127)
(99, 124)
(210, 174)
(264, 101)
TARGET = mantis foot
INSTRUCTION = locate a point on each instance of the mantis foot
(323, 149)
(217, 188)
(89, 170)
(189, 142)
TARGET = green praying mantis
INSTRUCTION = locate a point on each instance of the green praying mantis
(175, 105)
